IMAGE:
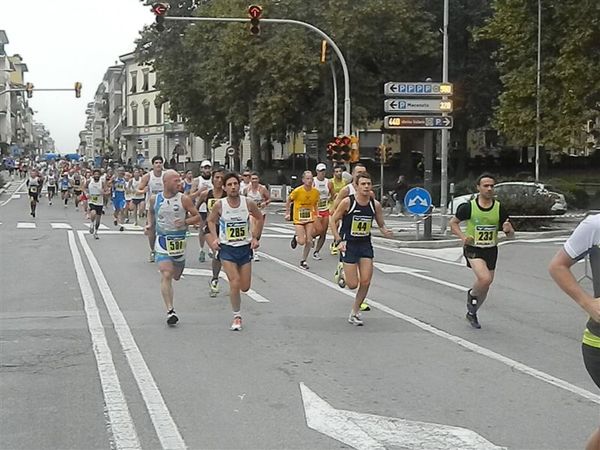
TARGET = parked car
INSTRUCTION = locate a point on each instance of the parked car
(516, 188)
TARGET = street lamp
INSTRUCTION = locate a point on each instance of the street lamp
(537, 95)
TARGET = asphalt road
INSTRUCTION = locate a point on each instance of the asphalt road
(88, 362)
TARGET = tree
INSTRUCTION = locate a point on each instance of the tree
(570, 85)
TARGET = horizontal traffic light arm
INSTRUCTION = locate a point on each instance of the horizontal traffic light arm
(320, 32)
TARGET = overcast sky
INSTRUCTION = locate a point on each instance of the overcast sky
(64, 41)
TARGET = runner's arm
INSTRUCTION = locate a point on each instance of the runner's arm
(211, 221)
(143, 184)
(150, 226)
(462, 213)
(341, 196)
(334, 219)
(266, 196)
(193, 216)
(258, 219)
(288, 204)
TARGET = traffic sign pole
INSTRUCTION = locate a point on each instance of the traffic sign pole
(428, 175)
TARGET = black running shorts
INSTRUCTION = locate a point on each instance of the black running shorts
(488, 254)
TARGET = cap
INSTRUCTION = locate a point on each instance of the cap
(321, 166)
(206, 163)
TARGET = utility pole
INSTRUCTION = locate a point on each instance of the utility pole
(445, 133)
(537, 93)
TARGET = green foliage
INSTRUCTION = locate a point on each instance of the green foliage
(576, 196)
(536, 205)
(570, 86)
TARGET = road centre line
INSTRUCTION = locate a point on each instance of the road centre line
(121, 423)
(515, 365)
(163, 422)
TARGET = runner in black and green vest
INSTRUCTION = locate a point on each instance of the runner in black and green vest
(485, 217)
(585, 241)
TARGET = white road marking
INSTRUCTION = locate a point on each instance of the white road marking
(515, 365)
(102, 227)
(533, 241)
(12, 195)
(121, 423)
(390, 268)
(418, 255)
(279, 230)
(163, 422)
(368, 431)
(15, 196)
(417, 273)
(26, 225)
(208, 273)
(61, 226)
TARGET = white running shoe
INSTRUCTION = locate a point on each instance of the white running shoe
(355, 319)
(236, 325)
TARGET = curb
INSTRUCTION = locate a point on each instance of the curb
(454, 242)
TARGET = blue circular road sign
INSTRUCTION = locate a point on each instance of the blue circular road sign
(417, 201)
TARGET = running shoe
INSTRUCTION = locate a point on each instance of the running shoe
(172, 318)
(256, 257)
(317, 256)
(92, 228)
(96, 235)
(333, 249)
(50, 202)
(152, 257)
(214, 287)
(210, 254)
(365, 307)
(121, 228)
(115, 222)
(471, 303)
(303, 264)
(355, 319)
(338, 272)
(236, 325)
(472, 319)
(201, 256)
(294, 242)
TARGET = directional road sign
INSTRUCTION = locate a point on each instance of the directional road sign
(404, 89)
(417, 201)
(417, 122)
(426, 105)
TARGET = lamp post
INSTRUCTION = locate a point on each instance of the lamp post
(537, 95)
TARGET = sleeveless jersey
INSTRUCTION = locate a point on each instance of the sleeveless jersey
(51, 181)
(337, 185)
(187, 187)
(155, 185)
(357, 223)
(483, 225)
(95, 193)
(135, 184)
(255, 196)
(204, 183)
(234, 223)
(118, 188)
(34, 185)
(323, 188)
(170, 239)
(64, 184)
(211, 199)
(77, 183)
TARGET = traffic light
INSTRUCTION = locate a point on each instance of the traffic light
(388, 154)
(160, 10)
(354, 149)
(345, 148)
(378, 155)
(77, 89)
(255, 12)
(29, 90)
(330, 151)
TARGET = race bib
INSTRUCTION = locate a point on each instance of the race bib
(33, 189)
(94, 199)
(322, 204)
(175, 245)
(361, 226)
(236, 231)
(210, 203)
(485, 235)
(120, 187)
(304, 213)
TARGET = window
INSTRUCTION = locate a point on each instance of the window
(159, 147)
(146, 149)
(133, 89)
(159, 113)
(134, 114)
(146, 83)
(146, 113)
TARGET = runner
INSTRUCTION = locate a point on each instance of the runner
(585, 241)
(118, 186)
(78, 182)
(209, 198)
(485, 218)
(200, 184)
(169, 214)
(188, 181)
(259, 194)
(137, 199)
(96, 190)
(356, 214)
(338, 184)
(235, 240)
(128, 196)
(51, 186)
(246, 174)
(107, 180)
(152, 184)
(65, 186)
(34, 186)
(305, 199)
(325, 188)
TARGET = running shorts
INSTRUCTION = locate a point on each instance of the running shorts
(488, 254)
(97, 208)
(239, 255)
(161, 246)
(118, 203)
(355, 250)
(137, 201)
(591, 359)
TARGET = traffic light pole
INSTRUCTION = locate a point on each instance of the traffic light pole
(338, 52)
(36, 90)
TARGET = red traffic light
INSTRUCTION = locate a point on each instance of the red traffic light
(160, 9)
(255, 11)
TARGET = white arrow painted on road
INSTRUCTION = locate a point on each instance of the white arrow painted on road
(368, 431)
(389, 268)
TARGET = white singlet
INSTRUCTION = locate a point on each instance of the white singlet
(234, 224)
(95, 193)
(204, 184)
(323, 188)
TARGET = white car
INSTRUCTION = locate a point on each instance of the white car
(521, 188)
